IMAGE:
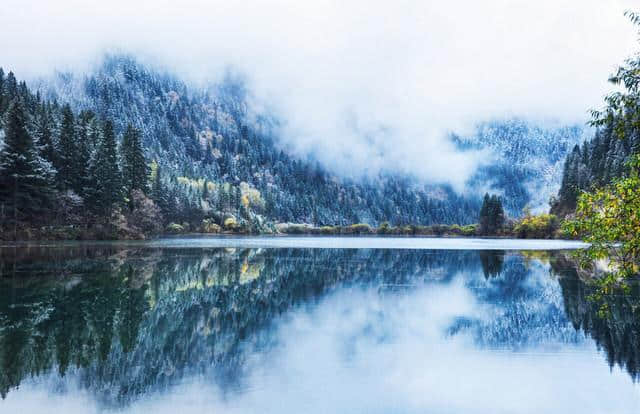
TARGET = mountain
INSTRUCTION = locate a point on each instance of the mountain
(196, 134)
(526, 161)
(129, 144)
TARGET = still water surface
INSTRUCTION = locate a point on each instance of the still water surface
(257, 325)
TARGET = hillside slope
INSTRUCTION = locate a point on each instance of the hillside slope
(216, 162)
(528, 160)
(196, 134)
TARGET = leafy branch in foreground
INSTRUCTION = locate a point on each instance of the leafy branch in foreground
(609, 220)
(623, 107)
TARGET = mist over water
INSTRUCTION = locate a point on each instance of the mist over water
(151, 329)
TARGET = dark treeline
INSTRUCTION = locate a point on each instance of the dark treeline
(58, 167)
(596, 163)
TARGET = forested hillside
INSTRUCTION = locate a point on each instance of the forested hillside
(125, 150)
(596, 163)
(526, 164)
(60, 168)
(202, 160)
(213, 135)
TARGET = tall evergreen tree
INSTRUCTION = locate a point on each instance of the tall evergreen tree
(44, 135)
(94, 133)
(68, 152)
(135, 171)
(105, 178)
(10, 88)
(498, 213)
(25, 178)
(84, 150)
(158, 190)
(491, 215)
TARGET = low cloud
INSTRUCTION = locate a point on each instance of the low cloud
(363, 86)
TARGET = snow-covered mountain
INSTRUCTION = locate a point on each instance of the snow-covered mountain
(196, 134)
(213, 134)
(526, 163)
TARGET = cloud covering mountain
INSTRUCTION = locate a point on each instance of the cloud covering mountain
(363, 86)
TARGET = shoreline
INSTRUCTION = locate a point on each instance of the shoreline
(372, 241)
(77, 233)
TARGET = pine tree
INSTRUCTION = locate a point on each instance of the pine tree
(159, 192)
(44, 135)
(491, 215)
(105, 178)
(25, 178)
(68, 153)
(94, 133)
(84, 149)
(569, 187)
(484, 214)
(135, 171)
(237, 197)
(10, 88)
(497, 213)
(223, 198)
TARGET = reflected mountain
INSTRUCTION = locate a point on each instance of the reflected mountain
(131, 320)
(524, 306)
(123, 322)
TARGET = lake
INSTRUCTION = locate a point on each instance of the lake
(311, 325)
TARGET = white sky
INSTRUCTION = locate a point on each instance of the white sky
(363, 85)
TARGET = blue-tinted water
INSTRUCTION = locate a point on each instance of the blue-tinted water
(206, 325)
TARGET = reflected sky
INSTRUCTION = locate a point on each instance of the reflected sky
(335, 242)
(308, 330)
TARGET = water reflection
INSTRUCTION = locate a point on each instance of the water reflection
(270, 329)
(492, 262)
(612, 320)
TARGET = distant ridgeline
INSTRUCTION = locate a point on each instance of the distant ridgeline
(528, 161)
(203, 160)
